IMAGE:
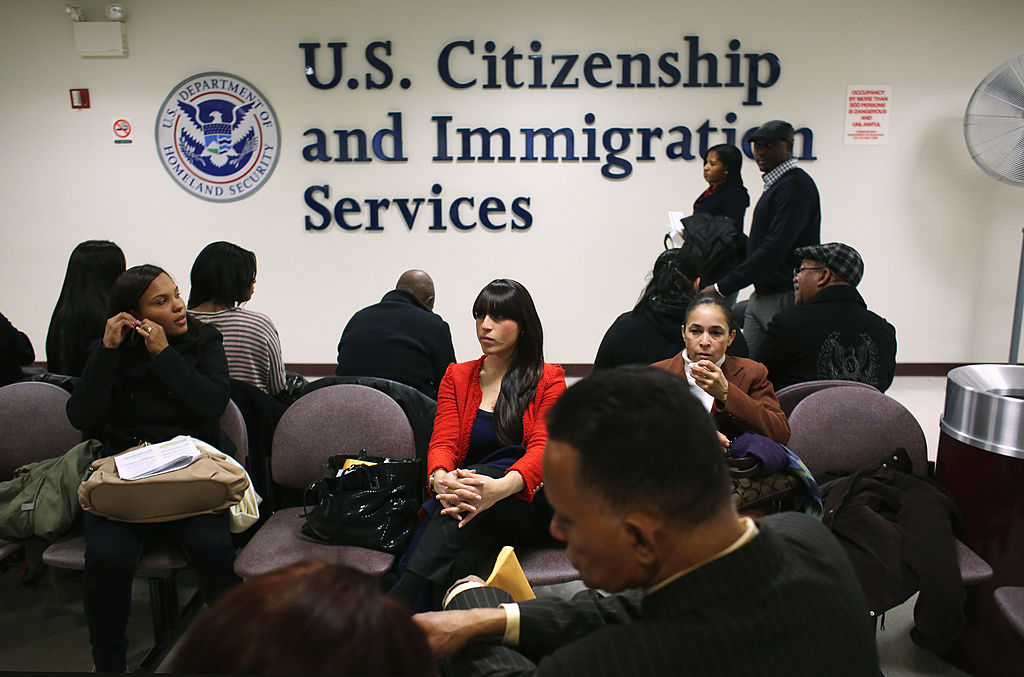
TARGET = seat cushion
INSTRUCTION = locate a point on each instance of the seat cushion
(159, 555)
(279, 543)
(546, 565)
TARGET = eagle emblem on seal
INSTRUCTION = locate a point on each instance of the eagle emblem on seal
(216, 136)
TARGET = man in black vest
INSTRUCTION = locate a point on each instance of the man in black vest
(787, 215)
(830, 334)
(400, 338)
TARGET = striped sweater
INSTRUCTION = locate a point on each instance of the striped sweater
(252, 346)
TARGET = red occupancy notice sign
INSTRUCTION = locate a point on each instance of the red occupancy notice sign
(867, 114)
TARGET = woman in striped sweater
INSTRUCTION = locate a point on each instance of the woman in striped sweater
(223, 278)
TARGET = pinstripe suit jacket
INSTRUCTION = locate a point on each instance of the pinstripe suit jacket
(787, 603)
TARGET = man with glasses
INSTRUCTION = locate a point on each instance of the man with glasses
(787, 215)
(830, 334)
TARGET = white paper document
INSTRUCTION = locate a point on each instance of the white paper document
(675, 228)
(155, 459)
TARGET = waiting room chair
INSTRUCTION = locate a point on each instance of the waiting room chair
(419, 408)
(1010, 600)
(337, 419)
(34, 426)
(232, 423)
(260, 414)
(846, 429)
(158, 565)
(791, 395)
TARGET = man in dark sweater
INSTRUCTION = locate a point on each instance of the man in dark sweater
(830, 334)
(400, 338)
(787, 215)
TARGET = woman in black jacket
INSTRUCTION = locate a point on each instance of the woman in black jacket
(725, 193)
(155, 374)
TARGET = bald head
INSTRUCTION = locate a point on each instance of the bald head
(419, 284)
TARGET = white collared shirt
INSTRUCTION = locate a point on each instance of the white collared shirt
(706, 398)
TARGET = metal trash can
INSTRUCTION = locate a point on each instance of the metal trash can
(981, 461)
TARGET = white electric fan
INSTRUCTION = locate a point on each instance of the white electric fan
(994, 131)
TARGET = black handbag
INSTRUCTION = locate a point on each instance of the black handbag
(370, 506)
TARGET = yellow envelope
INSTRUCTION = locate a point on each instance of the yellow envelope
(508, 575)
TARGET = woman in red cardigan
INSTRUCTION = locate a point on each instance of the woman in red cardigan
(484, 460)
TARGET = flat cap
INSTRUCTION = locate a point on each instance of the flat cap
(773, 130)
(841, 259)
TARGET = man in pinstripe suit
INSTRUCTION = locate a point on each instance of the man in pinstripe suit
(634, 472)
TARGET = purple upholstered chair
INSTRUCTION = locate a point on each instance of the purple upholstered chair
(1010, 600)
(846, 429)
(338, 419)
(791, 395)
(34, 427)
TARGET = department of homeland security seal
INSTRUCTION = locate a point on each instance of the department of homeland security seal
(217, 137)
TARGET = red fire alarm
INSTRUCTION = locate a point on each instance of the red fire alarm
(79, 98)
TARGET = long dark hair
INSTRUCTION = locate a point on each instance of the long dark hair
(732, 158)
(507, 299)
(671, 283)
(310, 618)
(222, 273)
(81, 311)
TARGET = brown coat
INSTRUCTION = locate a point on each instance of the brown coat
(751, 405)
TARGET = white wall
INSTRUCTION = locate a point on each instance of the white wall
(940, 238)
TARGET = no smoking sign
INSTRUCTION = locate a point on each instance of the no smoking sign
(123, 131)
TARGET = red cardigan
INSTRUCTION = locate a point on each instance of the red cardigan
(458, 400)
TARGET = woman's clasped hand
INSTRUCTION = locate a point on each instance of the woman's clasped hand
(464, 493)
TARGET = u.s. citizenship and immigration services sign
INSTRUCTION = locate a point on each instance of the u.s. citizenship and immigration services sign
(217, 137)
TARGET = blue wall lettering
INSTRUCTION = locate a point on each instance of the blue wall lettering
(463, 214)
(379, 64)
(352, 144)
(309, 52)
(493, 65)
(444, 67)
(498, 67)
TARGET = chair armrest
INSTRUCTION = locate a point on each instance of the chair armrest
(973, 569)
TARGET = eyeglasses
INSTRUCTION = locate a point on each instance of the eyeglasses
(797, 271)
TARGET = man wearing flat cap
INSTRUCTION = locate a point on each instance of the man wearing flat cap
(787, 215)
(830, 334)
